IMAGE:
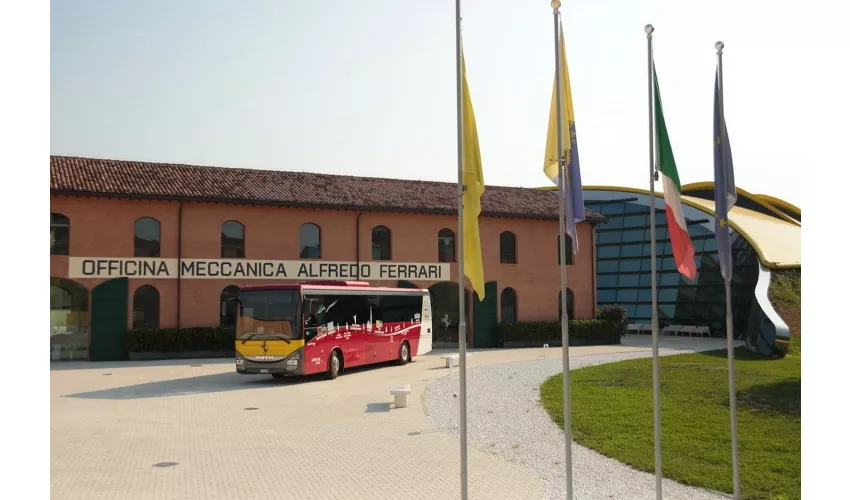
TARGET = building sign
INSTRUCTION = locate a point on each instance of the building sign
(148, 268)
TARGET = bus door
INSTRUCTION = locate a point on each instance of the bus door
(425, 334)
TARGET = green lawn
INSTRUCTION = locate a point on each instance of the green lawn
(612, 413)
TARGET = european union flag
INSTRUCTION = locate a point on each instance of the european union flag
(725, 194)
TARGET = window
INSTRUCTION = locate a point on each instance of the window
(568, 249)
(227, 316)
(609, 236)
(60, 234)
(629, 265)
(508, 305)
(606, 280)
(446, 246)
(632, 235)
(667, 294)
(146, 308)
(632, 250)
(606, 296)
(335, 310)
(570, 305)
(609, 251)
(310, 241)
(634, 221)
(146, 239)
(394, 308)
(381, 243)
(629, 280)
(607, 266)
(232, 240)
(507, 248)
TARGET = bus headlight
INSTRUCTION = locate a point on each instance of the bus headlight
(292, 361)
(240, 360)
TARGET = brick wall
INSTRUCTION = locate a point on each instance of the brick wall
(104, 228)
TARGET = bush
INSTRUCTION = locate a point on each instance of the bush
(181, 339)
(616, 315)
(588, 331)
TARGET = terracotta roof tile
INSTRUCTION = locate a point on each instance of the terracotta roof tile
(104, 177)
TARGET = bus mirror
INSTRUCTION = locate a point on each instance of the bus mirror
(225, 304)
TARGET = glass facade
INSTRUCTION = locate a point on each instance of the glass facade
(623, 265)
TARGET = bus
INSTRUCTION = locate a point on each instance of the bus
(328, 326)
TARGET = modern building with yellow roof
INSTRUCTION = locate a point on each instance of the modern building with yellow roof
(765, 237)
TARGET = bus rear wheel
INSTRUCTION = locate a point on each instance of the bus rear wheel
(334, 365)
(404, 353)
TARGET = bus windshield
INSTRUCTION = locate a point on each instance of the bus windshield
(268, 314)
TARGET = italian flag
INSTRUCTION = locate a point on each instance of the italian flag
(683, 248)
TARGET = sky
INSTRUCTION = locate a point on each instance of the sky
(367, 87)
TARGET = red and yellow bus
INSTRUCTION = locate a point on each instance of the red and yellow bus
(327, 326)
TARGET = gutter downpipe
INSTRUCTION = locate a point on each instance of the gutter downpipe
(357, 243)
(179, 258)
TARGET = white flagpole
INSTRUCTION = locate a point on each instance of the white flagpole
(461, 332)
(656, 370)
(730, 352)
(562, 194)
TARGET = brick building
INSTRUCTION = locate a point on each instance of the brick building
(186, 237)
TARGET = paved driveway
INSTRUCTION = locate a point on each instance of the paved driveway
(217, 434)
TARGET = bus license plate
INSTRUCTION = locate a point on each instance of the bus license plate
(264, 370)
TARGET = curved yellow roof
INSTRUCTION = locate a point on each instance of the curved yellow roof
(782, 204)
(759, 199)
(776, 240)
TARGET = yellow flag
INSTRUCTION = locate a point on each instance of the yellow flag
(473, 182)
(550, 165)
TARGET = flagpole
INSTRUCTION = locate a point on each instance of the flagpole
(730, 352)
(562, 191)
(461, 332)
(656, 370)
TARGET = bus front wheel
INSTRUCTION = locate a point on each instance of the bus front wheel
(334, 365)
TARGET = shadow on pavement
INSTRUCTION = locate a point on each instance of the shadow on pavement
(101, 365)
(377, 407)
(202, 384)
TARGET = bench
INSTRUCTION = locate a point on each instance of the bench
(400, 392)
(451, 358)
(703, 330)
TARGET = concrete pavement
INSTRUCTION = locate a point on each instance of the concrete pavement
(217, 434)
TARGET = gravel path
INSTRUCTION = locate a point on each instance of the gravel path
(504, 417)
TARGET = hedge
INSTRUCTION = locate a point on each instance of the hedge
(616, 314)
(608, 327)
(181, 339)
(585, 330)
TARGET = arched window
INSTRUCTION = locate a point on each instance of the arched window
(60, 234)
(228, 307)
(310, 238)
(446, 245)
(568, 249)
(381, 243)
(146, 307)
(570, 305)
(146, 238)
(232, 240)
(508, 305)
(507, 247)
